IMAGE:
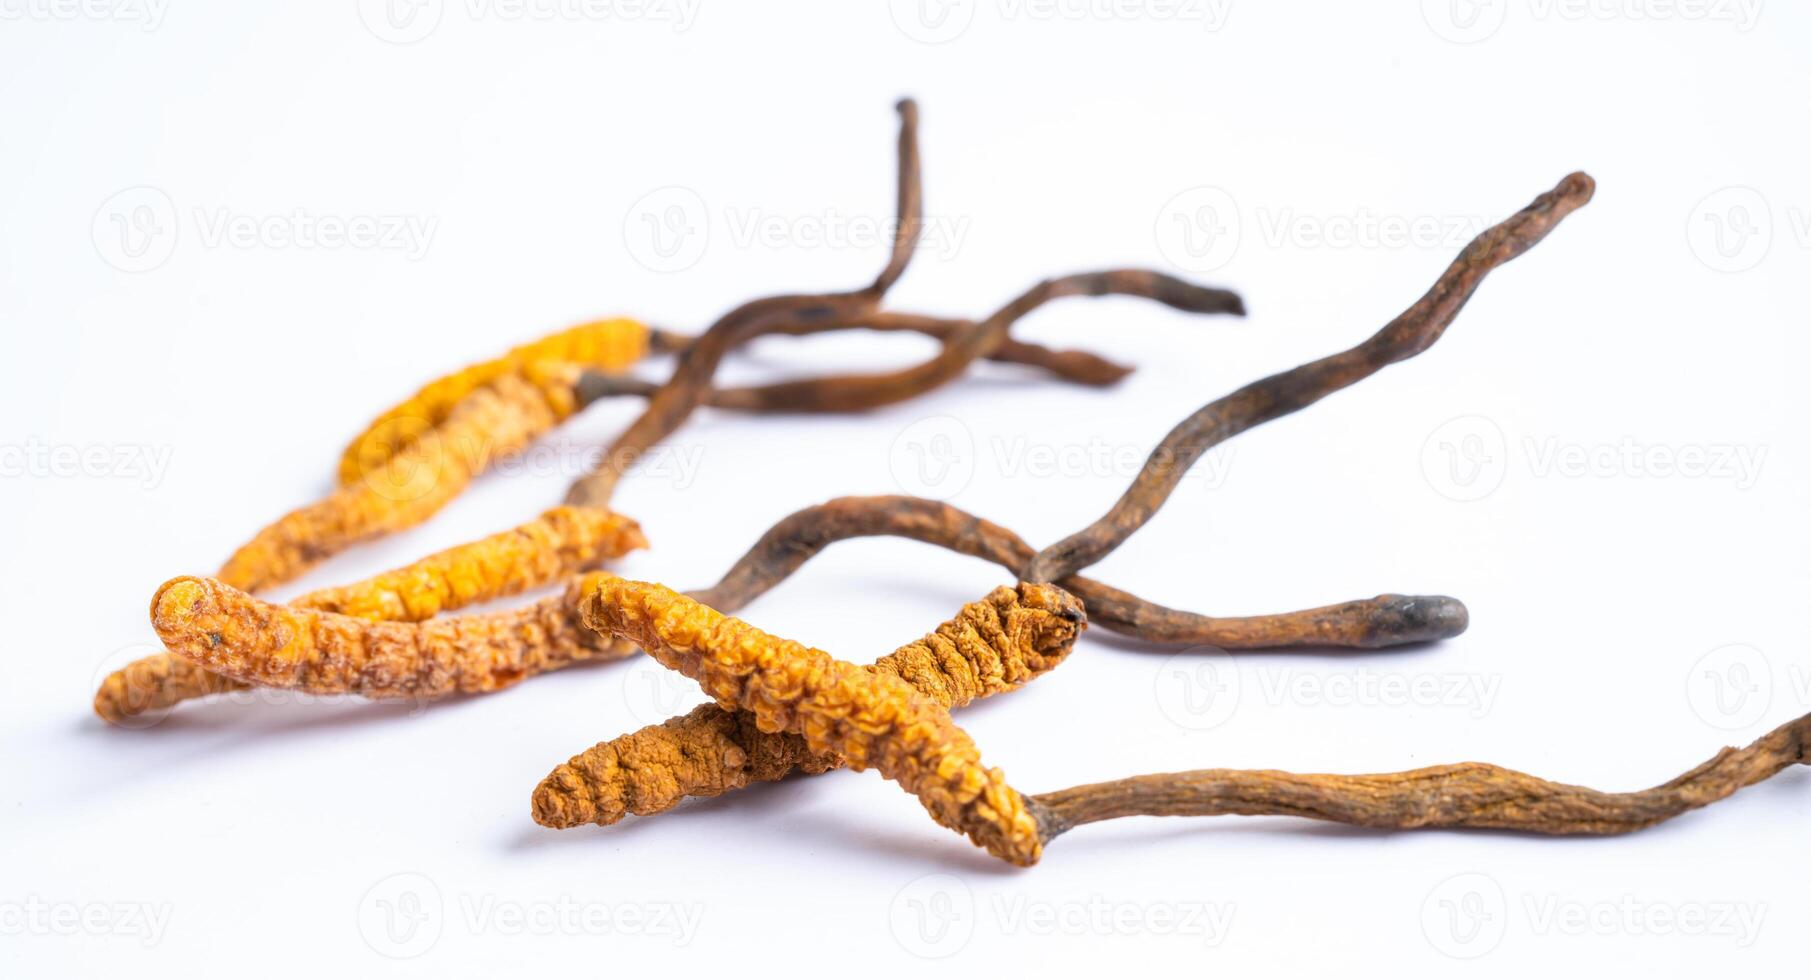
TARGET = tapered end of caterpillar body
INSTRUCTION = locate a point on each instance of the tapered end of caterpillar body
(1056, 616)
(562, 801)
(1398, 620)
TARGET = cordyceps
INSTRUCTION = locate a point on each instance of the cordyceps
(609, 345)
(417, 456)
(498, 419)
(711, 751)
(995, 645)
(561, 542)
(230, 633)
(870, 718)
(875, 719)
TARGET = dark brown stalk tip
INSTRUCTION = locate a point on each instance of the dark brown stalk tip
(1403, 619)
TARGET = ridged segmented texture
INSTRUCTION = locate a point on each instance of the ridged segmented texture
(868, 717)
(560, 542)
(606, 344)
(226, 631)
(500, 418)
(991, 646)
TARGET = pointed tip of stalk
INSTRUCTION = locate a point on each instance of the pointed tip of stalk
(1579, 184)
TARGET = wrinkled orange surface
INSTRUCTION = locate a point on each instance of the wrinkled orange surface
(994, 645)
(870, 718)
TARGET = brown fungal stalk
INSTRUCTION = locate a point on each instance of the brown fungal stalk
(965, 341)
(1384, 621)
(1469, 794)
(1410, 333)
(874, 719)
(1074, 366)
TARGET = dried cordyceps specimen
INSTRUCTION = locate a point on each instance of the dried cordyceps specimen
(998, 644)
(562, 541)
(1385, 621)
(1409, 334)
(870, 718)
(690, 384)
(711, 750)
(500, 418)
(228, 632)
(603, 344)
(875, 719)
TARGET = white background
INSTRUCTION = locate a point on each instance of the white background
(1607, 604)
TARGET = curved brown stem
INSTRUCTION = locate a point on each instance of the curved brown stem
(690, 384)
(1261, 401)
(1470, 794)
(1075, 366)
(972, 341)
(1386, 621)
